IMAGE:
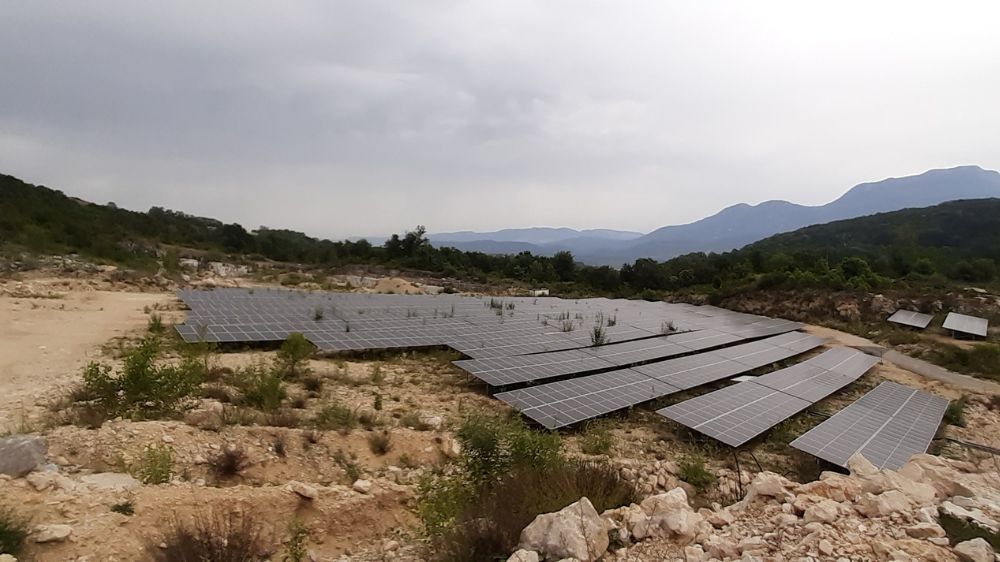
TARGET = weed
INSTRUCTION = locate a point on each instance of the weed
(413, 420)
(215, 536)
(667, 327)
(216, 392)
(283, 418)
(318, 314)
(295, 547)
(369, 420)
(597, 438)
(279, 446)
(310, 438)
(567, 326)
(156, 465)
(14, 531)
(598, 335)
(377, 377)
(348, 463)
(694, 472)
(232, 415)
(336, 417)
(155, 324)
(125, 507)
(312, 383)
(261, 387)
(377, 404)
(230, 462)
(380, 442)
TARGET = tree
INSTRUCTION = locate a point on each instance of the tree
(293, 354)
(564, 265)
(236, 239)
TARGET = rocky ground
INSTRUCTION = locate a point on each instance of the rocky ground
(358, 503)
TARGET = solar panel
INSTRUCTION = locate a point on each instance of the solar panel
(888, 425)
(735, 414)
(911, 318)
(563, 403)
(966, 324)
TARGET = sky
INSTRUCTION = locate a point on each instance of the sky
(370, 117)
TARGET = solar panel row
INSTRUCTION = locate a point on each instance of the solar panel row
(888, 425)
(966, 324)
(563, 403)
(738, 413)
(911, 318)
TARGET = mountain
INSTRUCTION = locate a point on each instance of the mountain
(742, 224)
(540, 236)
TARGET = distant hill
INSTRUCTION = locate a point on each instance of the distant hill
(739, 225)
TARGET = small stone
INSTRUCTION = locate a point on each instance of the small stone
(20, 454)
(167, 439)
(825, 548)
(303, 490)
(52, 533)
(362, 486)
(111, 481)
(523, 555)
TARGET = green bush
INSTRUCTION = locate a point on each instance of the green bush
(982, 360)
(216, 536)
(336, 417)
(14, 531)
(141, 389)
(292, 356)
(955, 414)
(261, 386)
(694, 472)
(494, 445)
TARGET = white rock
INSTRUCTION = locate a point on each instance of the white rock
(925, 531)
(435, 422)
(7, 558)
(167, 439)
(52, 533)
(825, 548)
(523, 556)
(769, 485)
(20, 454)
(362, 486)
(694, 553)
(886, 503)
(975, 516)
(976, 550)
(576, 531)
(304, 490)
(670, 516)
(825, 511)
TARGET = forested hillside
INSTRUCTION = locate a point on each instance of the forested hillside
(952, 242)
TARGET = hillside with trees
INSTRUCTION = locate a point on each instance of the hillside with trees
(952, 242)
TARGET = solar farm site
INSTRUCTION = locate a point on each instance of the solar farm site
(560, 362)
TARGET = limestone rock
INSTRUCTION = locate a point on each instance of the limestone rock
(694, 553)
(523, 556)
(883, 504)
(925, 531)
(362, 486)
(20, 454)
(305, 491)
(7, 558)
(825, 511)
(976, 550)
(576, 531)
(769, 485)
(670, 516)
(52, 533)
(720, 548)
(974, 516)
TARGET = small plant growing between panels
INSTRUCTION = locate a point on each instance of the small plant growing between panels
(667, 327)
(567, 326)
(598, 335)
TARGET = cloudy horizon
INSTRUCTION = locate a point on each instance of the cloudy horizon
(347, 119)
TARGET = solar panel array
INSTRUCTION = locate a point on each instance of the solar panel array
(966, 324)
(563, 403)
(738, 413)
(911, 318)
(888, 425)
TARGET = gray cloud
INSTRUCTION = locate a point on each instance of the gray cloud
(344, 118)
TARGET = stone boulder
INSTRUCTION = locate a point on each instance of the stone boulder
(523, 556)
(974, 516)
(976, 550)
(768, 485)
(937, 473)
(51, 533)
(825, 511)
(576, 531)
(114, 481)
(20, 454)
(884, 504)
(669, 516)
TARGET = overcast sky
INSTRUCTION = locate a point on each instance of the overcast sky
(369, 117)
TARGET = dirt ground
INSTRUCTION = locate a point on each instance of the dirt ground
(51, 331)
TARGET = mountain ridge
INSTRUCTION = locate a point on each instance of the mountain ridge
(741, 224)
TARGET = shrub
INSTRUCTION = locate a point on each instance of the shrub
(380, 442)
(283, 418)
(377, 377)
(494, 445)
(261, 387)
(955, 414)
(126, 507)
(369, 420)
(216, 392)
(597, 439)
(336, 417)
(598, 335)
(141, 389)
(348, 463)
(312, 383)
(229, 462)
(377, 404)
(486, 523)
(982, 360)
(14, 531)
(214, 536)
(695, 473)
(292, 356)
(412, 420)
(156, 465)
(280, 448)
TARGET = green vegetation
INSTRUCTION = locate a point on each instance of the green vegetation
(336, 417)
(156, 465)
(261, 386)
(507, 475)
(955, 414)
(291, 360)
(957, 241)
(597, 438)
(982, 360)
(229, 463)
(295, 547)
(142, 389)
(380, 442)
(14, 531)
(695, 473)
(126, 507)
